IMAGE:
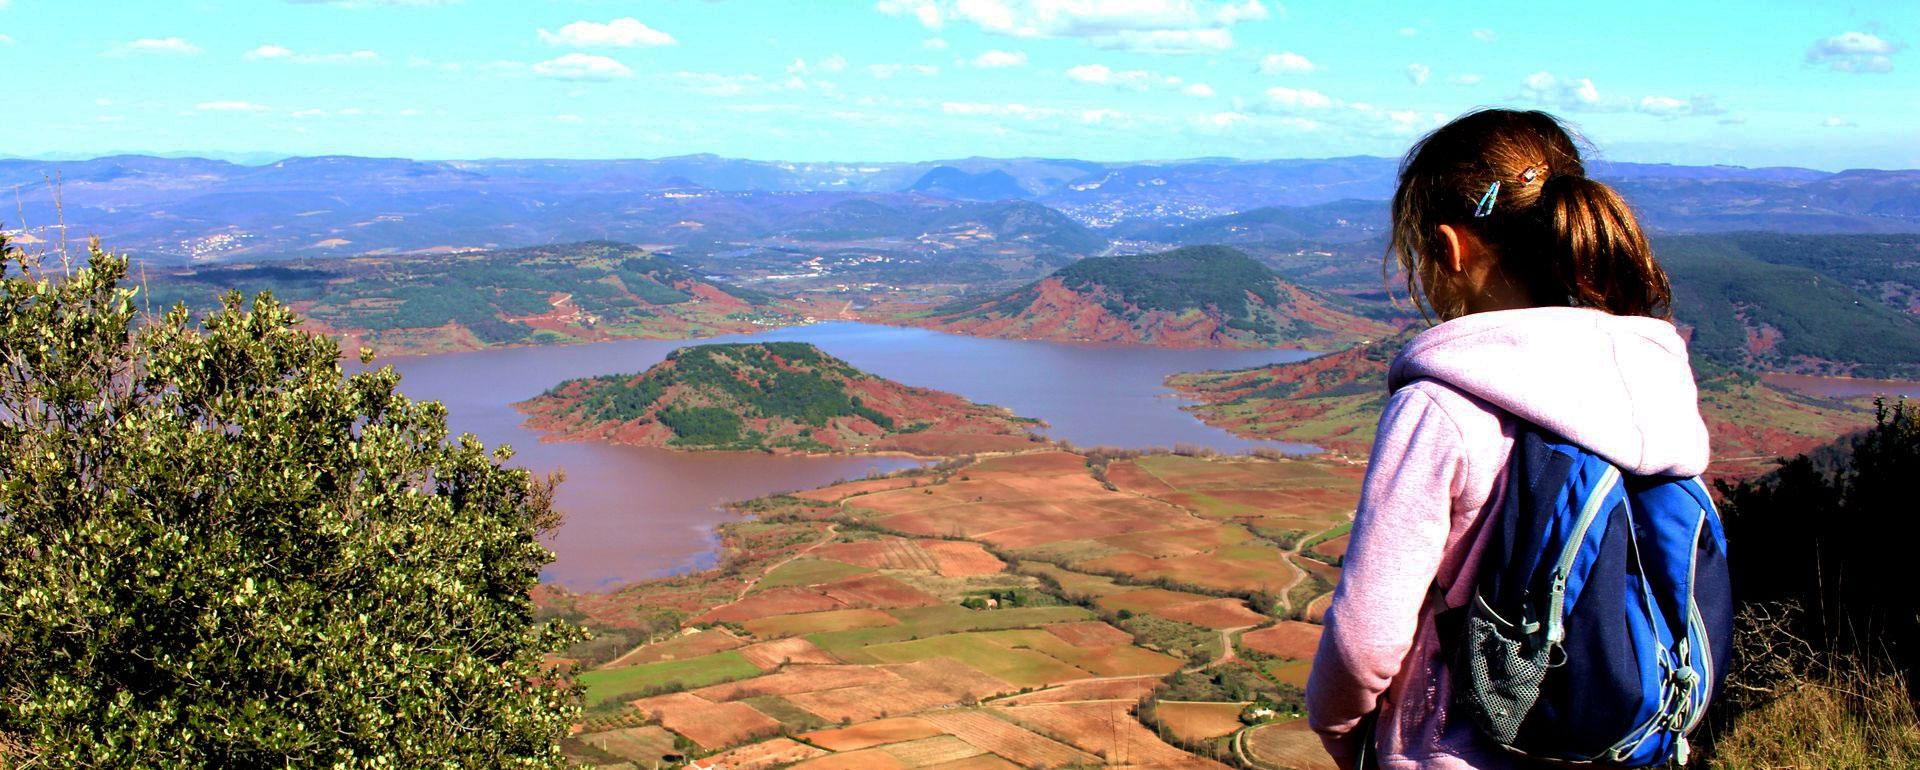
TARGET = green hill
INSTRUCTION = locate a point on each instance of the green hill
(1199, 296)
(574, 292)
(1817, 304)
(769, 396)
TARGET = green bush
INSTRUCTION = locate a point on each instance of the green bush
(216, 550)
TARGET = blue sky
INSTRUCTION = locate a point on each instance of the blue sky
(1758, 83)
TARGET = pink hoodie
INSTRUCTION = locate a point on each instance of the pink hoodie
(1617, 385)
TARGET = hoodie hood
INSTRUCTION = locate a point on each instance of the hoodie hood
(1619, 386)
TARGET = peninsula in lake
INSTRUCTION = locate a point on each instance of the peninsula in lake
(787, 397)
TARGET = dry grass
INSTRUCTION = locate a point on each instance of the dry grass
(1795, 704)
(1850, 718)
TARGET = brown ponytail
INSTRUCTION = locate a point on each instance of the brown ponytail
(1565, 239)
(1602, 258)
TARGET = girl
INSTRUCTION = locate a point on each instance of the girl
(1553, 311)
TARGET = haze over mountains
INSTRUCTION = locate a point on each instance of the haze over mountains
(1044, 211)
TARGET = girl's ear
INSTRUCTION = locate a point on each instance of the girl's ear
(1457, 249)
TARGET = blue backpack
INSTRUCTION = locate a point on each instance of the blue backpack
(1602, 618)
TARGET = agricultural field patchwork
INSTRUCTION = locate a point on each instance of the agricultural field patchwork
(1041, 609)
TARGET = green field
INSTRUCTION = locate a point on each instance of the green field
(613, 685)
(818, 622)
(792, 717)
(1023, 667)
(806, 571)
(924, 622)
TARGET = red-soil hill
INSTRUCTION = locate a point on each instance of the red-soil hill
(1208, 296)
(1334, 402)
(773, 396)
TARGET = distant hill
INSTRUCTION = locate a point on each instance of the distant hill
(194, 208)
(1334, 402)
(1343, 221)
(575, 292)
(1202, 296)
(772, 396)
(950, 182)
(1811, 304)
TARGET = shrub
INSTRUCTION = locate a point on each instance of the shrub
(218, 550)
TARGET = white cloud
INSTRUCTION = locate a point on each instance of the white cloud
(283, 53)
(1485, 35)
(155, 45)
(1298, 98)
(1409, 31)
(1855, 52)
(1566, 93)
(996, 59)
(1135, 80)
(966, 108)
(1836, 121)
(230, 106)
(1465, 79)
(1151, 26)
(926, 11)
(934, 44)
(1101, 115)
(834, 63)
(1285, 63)
(1662, 105)
(1169, 41)
(373, 3)
(1287, 106)
(5, 40)
(1581, 95)
(1418, 73)
(582, 66)
(1010, 110)
(1221, 119)
(715, 84)
(625, 32)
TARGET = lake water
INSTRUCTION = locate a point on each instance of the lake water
(634, 513)
(1844, 387)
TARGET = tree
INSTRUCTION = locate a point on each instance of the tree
(216, 549)
(1818, 533)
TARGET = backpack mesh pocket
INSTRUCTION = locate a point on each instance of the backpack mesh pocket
(1504, 667)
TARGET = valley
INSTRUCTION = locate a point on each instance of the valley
(1014, 610)
(969, 465)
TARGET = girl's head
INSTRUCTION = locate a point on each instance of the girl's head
(1494, 210)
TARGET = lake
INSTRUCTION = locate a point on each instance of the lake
(634, 513)
(1844, 387)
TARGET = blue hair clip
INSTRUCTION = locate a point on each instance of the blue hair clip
(1486, 201)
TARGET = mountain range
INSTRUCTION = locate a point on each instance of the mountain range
(196, 208)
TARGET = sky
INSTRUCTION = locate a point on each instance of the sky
(1821, 85)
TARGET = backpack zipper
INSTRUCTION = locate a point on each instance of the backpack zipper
(1704, 647)
(1562, 569)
